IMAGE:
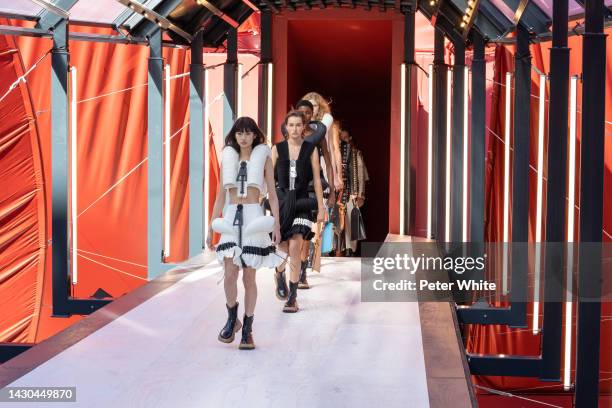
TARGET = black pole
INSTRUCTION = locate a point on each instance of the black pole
(591, 205)
(477, 159)
(457, 143)
(230, 81)
(439, 137)
(266, 58)
(410, 117)
(196, 146)
(555, 195)
(59, 166)
(520, 174)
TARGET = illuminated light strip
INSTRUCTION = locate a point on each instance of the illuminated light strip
(448, 155)
(239, 92)
(538, 236)
(73, 169)
(269, 107)
(430, 152)
(567, 353)
(206, 153)
(402, 147)
(167, 164)
(506, 182)
(466, 131)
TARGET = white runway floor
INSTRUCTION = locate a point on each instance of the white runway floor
(336, 352)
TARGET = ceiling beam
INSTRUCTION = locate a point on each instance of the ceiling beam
(271, 6)
(53, 13)
(520, 9)
(251, 5)
(24, 31)
(155, 18)
(469, 17)
(213, 9)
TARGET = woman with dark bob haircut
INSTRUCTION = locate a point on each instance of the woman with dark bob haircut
(246, 174)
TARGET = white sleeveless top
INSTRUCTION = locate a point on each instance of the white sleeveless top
(231, 163)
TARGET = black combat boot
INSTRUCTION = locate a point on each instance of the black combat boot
(303, 282)
(281, 285)
(231, 326)
(291, 306)
(246, 343)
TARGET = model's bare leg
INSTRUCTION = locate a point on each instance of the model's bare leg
(250, 290)
(230, 282)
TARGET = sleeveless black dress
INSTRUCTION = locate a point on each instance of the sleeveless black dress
(295, 206)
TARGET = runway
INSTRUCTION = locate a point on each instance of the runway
(336, 352)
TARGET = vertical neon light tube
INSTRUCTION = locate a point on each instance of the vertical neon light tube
(448, 156)
(507, 137)
(167, 164)
(73, 169)
(206, 153)
(269, 107)
(239, 93)
(402, 194)
(466, 100)
(571, 202)
(538, 237)
(430, 151)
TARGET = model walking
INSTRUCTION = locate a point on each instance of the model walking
(246, 173)
(296, 163)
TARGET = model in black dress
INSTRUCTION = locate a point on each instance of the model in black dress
(296, 163)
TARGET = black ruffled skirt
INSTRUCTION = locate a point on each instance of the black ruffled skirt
(295, 214)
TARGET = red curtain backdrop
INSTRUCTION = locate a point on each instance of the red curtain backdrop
(112, 176)
(112, 182)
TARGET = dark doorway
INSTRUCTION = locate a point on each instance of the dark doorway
(349, 63)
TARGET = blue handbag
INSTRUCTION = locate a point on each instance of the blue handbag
(327, 238)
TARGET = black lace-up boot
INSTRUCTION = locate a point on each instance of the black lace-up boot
(291, 306)
(246, 343)
(281, 285)
(303, 282)
(231, 326)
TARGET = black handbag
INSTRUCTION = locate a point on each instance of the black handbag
(357, 226)
(334, 217)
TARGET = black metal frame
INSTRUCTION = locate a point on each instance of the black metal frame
(458, 72)
(591, 205)
(556, 192)
(10, 350)
(477, 142)
(514, 315)
(410, 116)
(438, 134)
(266, 58)
(230, 81)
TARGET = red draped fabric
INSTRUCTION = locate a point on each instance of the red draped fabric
(112, 176)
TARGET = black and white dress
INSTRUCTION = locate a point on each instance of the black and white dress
(244, 228)
(292, 179)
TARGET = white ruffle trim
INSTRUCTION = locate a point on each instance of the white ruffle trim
(259, 242)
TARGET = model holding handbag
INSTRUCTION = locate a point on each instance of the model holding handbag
(355, 176)
(246, 173)
(296, 163)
